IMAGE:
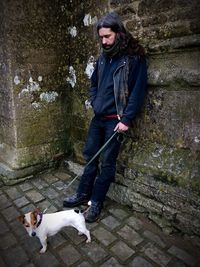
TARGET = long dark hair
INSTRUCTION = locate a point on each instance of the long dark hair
(128, 44)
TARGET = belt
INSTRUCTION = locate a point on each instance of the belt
(112, 116)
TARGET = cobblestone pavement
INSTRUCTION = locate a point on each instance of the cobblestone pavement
(119, 238)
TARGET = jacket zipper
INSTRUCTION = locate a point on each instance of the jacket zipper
(115, 87)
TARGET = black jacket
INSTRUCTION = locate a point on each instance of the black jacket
(128, 82)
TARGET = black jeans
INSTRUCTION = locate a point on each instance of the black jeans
(96, 177)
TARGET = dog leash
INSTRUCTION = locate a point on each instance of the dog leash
(44, 211)
(98, 152)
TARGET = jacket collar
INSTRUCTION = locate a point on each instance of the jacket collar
(122, 60)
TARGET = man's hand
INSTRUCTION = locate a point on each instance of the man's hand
(120, 127)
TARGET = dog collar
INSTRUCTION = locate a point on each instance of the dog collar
(40, 220)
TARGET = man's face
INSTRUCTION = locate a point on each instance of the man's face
(107, 37)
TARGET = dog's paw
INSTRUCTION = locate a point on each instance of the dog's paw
(88, 240)
(80, 233)
(43, 249)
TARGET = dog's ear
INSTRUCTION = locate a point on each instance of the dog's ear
(36, 212)
(21, 219)
(34, 215)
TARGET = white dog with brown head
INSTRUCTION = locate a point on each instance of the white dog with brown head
(43, 225)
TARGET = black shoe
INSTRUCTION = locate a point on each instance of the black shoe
(75, 200)
(92, 214)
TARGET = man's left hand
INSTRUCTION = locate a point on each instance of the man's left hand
(120, 127)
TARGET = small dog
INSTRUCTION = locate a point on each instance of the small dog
(43, 225)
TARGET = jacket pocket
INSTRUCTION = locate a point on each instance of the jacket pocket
(97, 104)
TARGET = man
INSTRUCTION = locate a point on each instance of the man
(118, 88)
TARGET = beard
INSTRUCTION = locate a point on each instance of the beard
(105, 46)
(111, 50)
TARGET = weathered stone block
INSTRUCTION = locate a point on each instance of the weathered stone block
(172, 165)
(8, 133)
(115, 3)
(125, 11)
(187, 224)
(174, 44)
(177, 69)
(33, 78)
(171, 116)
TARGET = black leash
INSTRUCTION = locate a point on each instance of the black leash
(98, 152)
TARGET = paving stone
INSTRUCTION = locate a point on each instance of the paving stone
(31, 244)
(39, 183)
(48, 206)
(122, 251)
(112, 262)
(59, 185)
(26, 186)
(140, 262)
(62, 175)
(69, 255)
(49, 178)
(119, 213)
(28, 208)
(156, 255)
(50, 193)
(57, 240)
(4, 202)
(46, 259)
(130, 235)
(95, 252)
(153, 237)
(84, 264)
(22, 201)
(59, 203)
(18, 229)
(72, 233)
(182, 255)
(134, 222)
(15, 257)
(7, 241)
(104, 236)
(3, 227)
(69, 190)
(91, 226)
(34, 196)
(10, 213)
(13, 193)
(111, 222)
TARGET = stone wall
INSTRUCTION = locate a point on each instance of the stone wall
(34, 58)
